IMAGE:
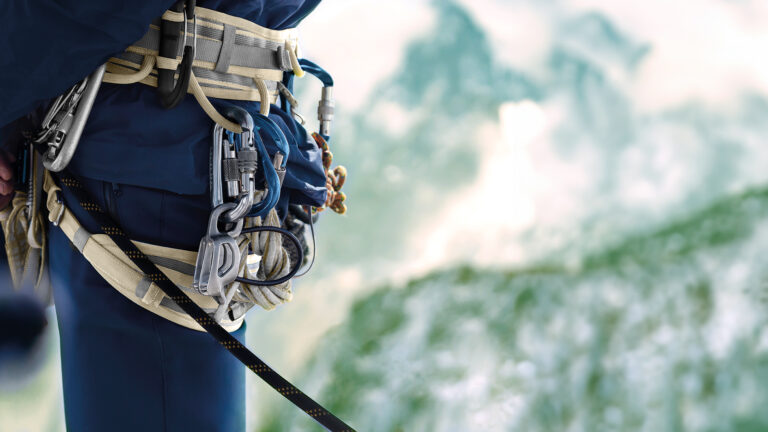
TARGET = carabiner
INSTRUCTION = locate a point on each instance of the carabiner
(65, 123)
(235, 161)
(326, 106)
(172, 93)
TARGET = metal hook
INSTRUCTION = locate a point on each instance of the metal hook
(70, 125)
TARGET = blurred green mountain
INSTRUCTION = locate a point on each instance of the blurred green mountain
(663, 331)
(643, 314)
(414, 143)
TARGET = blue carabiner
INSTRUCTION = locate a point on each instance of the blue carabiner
(263, 123)
(271, 178)
(317, 72)
(326, 107)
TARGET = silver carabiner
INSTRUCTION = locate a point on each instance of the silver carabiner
(67, 126)
(233, 170)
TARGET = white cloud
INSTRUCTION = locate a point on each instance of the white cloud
(362, 42)
(520, 34)
(522, 182)
(702, 50)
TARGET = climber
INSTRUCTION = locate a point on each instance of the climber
(115, 102)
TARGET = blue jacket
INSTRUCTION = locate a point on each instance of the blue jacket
(49, 45)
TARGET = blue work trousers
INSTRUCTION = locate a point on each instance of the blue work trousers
(125, 368)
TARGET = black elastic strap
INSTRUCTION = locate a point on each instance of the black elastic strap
(237, 349)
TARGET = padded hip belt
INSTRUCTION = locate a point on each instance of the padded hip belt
(234, 58)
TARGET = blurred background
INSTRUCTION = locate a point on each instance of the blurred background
(558, 221)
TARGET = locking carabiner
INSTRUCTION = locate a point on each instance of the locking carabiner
(236, 158)
(325, 108)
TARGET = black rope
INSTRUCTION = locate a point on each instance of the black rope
(237, 349)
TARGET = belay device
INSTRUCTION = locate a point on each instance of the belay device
(247, 257)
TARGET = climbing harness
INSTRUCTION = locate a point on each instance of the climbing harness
(247, 256)
(234, 346)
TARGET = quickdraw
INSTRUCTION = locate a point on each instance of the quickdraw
(335, 177)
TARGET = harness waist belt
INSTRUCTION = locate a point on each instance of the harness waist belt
(234, 58)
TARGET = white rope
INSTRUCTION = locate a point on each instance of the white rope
(275, 263)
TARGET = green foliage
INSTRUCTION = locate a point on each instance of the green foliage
(627, 341)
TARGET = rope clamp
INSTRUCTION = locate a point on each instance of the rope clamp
(218, 257)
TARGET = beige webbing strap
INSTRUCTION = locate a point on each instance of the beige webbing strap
(167, 63)
(237, 60)
(173, 16)
(26, 264)
(262, 86)
(120, 272)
